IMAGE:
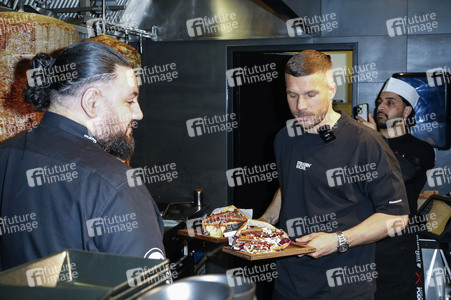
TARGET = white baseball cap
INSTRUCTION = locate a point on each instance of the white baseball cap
(403, 89)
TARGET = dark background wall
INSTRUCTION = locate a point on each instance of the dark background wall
(201, 88)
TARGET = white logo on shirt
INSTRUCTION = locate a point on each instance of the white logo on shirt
(302, 165)
(395, 201)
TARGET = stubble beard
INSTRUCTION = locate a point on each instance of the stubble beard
(313, 118)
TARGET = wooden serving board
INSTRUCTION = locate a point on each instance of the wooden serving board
(208, 238)
(288, 251)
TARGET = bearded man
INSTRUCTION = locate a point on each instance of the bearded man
(337, 172)
(394, 116)
(61, 184)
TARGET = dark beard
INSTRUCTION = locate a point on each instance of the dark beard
(118, 145)
(381, 125)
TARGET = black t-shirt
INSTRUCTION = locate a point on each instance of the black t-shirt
(415, 158)
(59, 190)
(329, 187)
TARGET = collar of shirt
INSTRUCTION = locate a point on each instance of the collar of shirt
(341, 122)
(66, 124)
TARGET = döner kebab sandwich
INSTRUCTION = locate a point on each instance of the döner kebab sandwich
(260, 237)
(222, 220)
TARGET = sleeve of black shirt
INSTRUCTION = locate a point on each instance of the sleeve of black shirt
(134, 208)
(387, 191)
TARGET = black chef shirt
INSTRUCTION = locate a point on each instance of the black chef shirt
(59, 190)
(396, 255)
(415, 158)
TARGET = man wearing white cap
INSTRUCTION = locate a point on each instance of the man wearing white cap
(398, 100)
(394, 115)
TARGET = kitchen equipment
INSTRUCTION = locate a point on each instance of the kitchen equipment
(436, 212)
(242, 289)
(199, 197)
(433, 272)
(191, 290)
(187, 255)
(40, 10)
(76, 274)
(4, 7)
(184, 210)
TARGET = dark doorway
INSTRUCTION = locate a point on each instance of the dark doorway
(261, 111)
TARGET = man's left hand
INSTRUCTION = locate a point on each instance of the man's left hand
(325, 243)
(371, 123)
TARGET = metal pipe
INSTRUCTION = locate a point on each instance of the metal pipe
(140, 43)
(20, 6)
(103, 16)
(85, 9)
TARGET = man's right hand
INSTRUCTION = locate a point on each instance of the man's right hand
(324, 243)
(370, 123)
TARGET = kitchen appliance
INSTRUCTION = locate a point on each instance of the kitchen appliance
(191, 290)
(434, 281)
(76, 274)
(242, 289)
(187, 255)
(437, 211)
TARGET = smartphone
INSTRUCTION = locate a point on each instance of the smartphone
(361, 110)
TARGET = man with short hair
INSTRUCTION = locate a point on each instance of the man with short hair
(394, 116)
(61, 185)
(337, 172)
